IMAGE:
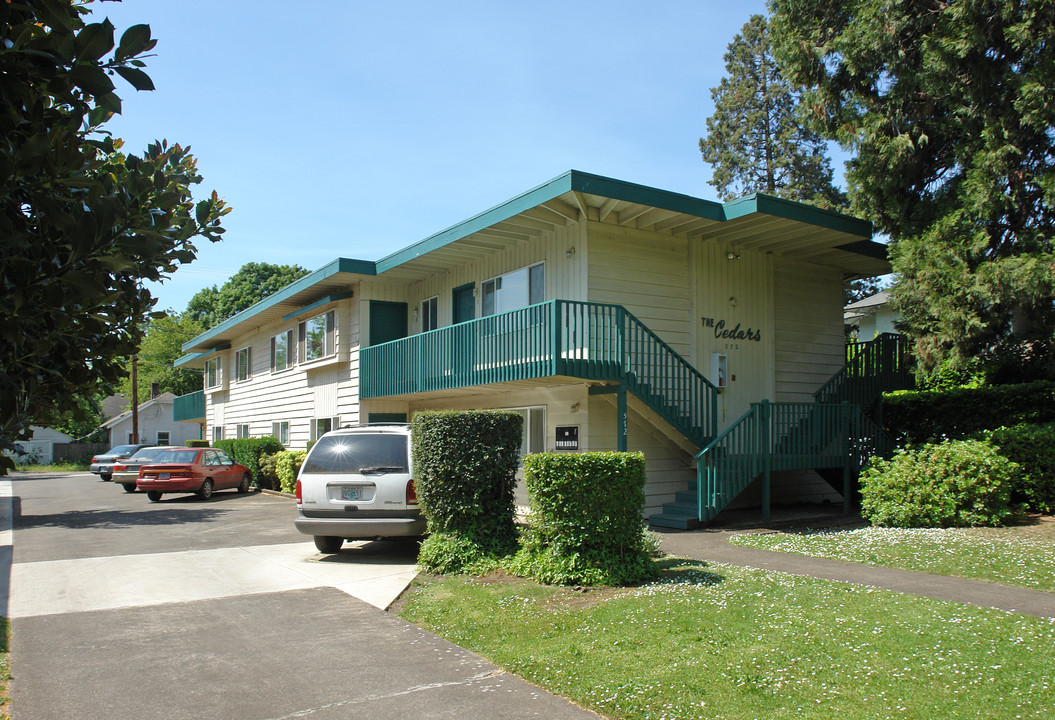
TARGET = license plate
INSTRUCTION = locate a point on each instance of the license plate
(351, 493)
(164, 476)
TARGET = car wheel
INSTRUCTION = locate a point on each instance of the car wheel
(105, 476)
(327, 544)
(206, 489)
(129, 487)
(153, 495)
(243, 487)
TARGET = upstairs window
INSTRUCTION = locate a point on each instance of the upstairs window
(429, 315)
(517, 289)
(316, 337)
(281, 357)
(243, 364)
(212, 373)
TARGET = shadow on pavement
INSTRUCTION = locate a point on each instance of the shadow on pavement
(119, 518)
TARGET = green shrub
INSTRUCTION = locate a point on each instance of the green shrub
(287, 465)
(933, 415)
(1033, 448)
(586, 526)
(268, 472)
(465, 465)
(197, 443)
(956, 483)
(247, 451)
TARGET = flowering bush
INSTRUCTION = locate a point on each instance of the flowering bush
(949, 484)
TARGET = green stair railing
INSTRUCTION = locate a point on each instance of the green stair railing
(592, 341)
(877, 366)
(784, 436)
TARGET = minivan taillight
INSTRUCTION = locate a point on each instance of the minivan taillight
(300, 498)
(412, 493)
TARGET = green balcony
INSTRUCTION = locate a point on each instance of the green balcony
(189, 408)
(557, 338)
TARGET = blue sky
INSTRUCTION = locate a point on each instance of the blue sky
(353, 129)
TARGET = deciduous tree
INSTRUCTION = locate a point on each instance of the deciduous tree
(252, 283)
(82, 223)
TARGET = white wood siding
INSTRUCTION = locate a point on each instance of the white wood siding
(648, 274)
(733, 295)
(296, 395)
(809, 329)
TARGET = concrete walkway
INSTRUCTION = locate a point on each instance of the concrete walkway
(712, 545)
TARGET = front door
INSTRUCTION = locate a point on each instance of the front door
(464, 304)
(388, 321)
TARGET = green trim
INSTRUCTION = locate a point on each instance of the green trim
(317, 304)
(340, 265)
(373, 418)
(868, 248)
(799, 212)
(645, 195)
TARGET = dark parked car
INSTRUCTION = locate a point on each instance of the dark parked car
(192, 470)
(102, 465)
(126, 471)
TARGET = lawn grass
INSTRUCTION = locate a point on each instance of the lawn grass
(55, 467)
(1023, 555)
(716, 641)
(5, 669)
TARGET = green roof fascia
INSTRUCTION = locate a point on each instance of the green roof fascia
(571, 181)
(317, 304)
(189, 358)
(340, 265)
(799, 212)
(868, 248)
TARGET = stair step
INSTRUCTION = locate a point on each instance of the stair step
(686, 496)
(677, 522)
(680, 508)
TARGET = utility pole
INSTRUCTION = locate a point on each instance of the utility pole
(135, 400)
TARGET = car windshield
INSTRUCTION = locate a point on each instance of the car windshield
(177, 456)
(147, 454)
(123, 450)
(361, 453)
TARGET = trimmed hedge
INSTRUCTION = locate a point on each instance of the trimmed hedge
(247, 451)
(465, 465)
(956, 483)
(1033, 448)
(933, 415)
(197, 443)
(586, 526)
(287, 465)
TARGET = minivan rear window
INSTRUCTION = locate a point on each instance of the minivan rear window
(358, 454)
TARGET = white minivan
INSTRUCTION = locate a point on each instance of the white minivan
(357, 483)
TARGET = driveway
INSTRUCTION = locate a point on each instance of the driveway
(122, 608)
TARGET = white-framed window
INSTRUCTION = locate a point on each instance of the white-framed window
(281, 431)
(429, 314)
(217, 432)
(242, 430)
(316, 337)
(212, 373)
(243, 364)
(163, 437)
(534, 438)
(321, 426)
(513, 290)
(282, 351)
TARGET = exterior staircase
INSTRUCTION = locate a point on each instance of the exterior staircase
(835, 435)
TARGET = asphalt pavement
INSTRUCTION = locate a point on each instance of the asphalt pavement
(121, 608)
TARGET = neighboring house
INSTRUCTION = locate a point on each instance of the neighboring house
(41, 444)
(156, 424)
(871, 317)
(610, 315)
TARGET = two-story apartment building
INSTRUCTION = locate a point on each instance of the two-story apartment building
(611, 315)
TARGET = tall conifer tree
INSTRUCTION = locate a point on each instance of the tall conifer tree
(754, 140)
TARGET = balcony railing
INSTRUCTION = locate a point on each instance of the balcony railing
(584, 340)
(189, 408)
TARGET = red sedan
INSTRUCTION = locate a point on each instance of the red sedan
(192, 470)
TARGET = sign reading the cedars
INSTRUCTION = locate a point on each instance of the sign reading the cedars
(723, 332)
